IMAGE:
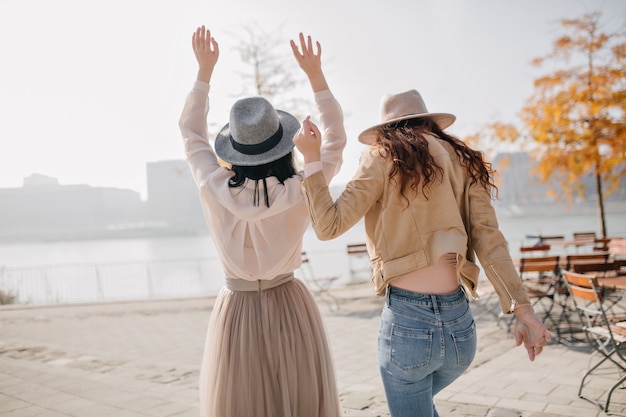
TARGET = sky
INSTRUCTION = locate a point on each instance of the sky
(91, 91)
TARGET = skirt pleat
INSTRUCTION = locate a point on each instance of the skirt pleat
(267, 354)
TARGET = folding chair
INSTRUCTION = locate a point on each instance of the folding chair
(603, 244)
(319, 286)
(591, 258)
(604, 333)
(602, 270)
(584, 239)
(536, 249)
(359, 260)
(605, 269)
(541, 277)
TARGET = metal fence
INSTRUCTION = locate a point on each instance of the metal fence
(142, 280)
(76, 283)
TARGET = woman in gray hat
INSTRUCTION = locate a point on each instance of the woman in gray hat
(266, 351)
(426, 200)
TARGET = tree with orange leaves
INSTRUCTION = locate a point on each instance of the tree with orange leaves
(576, 118)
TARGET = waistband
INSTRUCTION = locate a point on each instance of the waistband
(238, 284)
(419, 297)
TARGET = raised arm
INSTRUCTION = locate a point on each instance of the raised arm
(333, 133)
(192, 123)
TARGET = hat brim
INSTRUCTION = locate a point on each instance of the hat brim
(225, 151)
(442, 120)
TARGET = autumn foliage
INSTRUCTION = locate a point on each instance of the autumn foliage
(574, 123)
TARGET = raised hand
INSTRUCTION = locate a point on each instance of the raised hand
(310, 60)
(308, 140)
(207, 52)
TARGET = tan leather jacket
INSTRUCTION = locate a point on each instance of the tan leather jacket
(403, 236)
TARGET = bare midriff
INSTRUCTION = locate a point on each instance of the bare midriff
(439, 278)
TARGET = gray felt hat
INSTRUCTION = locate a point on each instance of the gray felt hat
(404, 106)
(257, 133)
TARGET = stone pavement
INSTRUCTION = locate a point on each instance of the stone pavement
(136, 359)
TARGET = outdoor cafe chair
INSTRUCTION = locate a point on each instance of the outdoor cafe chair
(319, 286)
(604, 269)
(584, 235)
(359, 260)
(604, 333)
(541, 277)
(607, 269)
(585, 259)
(539, 250)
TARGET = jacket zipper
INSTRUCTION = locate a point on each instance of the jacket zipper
(513, 300)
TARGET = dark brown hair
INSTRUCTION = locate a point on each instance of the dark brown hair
(282, 168)
(405, 145)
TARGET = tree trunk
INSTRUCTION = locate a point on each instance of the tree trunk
(601, 202)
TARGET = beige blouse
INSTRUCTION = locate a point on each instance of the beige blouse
(255, 242)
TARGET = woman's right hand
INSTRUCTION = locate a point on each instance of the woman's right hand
(207, 52)
(308, 140)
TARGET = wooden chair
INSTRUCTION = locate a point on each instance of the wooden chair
(585, 236)
(586, 259)
(583, 239)
(541, 277)
(319, 286)
(604, 334)
(547, 239)
(602, 244)
(603, 269)
(359, 260)
(535, 250)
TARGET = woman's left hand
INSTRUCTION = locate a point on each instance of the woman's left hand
(531, 331)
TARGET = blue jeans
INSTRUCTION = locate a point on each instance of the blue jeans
(425, 342)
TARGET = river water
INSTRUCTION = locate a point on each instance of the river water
(70, 264)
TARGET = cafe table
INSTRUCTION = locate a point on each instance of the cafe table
(617, 247)
(613, 283)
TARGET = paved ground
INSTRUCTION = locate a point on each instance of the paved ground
(141, 359)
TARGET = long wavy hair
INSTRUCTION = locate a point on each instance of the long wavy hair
(405, 145)
(282, 168)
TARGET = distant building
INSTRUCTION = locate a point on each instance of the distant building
(521, 190)
(39, 180)
(517, 182)
(45, 210)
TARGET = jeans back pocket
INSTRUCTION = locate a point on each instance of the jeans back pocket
(410, 348)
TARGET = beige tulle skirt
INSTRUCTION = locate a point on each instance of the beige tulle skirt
(267, 355)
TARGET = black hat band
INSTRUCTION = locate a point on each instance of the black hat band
(258, 148)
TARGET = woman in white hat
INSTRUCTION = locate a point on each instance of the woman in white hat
(426, 200)
(266, 351)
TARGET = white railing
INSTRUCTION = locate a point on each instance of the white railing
(76, 283)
